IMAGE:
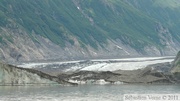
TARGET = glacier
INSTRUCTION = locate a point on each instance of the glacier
(98, 64)
(107, 71)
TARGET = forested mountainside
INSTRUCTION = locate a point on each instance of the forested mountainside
(79, 29)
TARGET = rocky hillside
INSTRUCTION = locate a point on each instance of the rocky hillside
(11, 75)
(176, 67)
(74, 29)
(176, 63)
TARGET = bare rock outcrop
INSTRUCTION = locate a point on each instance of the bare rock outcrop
(11, 75)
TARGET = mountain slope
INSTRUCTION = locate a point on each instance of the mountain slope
(176, 64)
(76, 29)
(176, 67)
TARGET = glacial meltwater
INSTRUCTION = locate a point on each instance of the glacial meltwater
(82, 92)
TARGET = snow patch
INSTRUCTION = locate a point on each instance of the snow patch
(78, 8)
(118, 47)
